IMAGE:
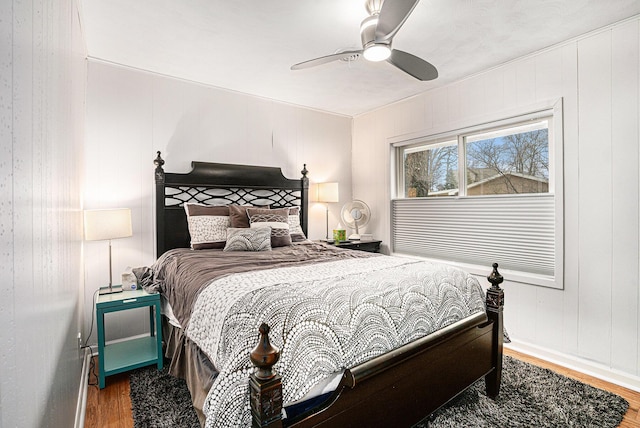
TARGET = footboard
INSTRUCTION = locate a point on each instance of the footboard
(399, 388)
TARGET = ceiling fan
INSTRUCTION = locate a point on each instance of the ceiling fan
(377, 31)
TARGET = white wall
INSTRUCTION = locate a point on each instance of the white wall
(596, 316)
(131, 114)
(42, 84)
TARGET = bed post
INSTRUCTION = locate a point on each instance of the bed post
(265, 385)
(495, 305)
(159, 175)
(304, 200)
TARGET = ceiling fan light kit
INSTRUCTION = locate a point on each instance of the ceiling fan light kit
(376, 33)
(377, 52)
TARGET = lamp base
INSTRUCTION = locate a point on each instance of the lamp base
(110, 290)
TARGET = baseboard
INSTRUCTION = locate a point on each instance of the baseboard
(81, 407)
(587, 367)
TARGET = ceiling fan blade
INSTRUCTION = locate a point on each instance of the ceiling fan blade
(324, 59)
(392, 15)
(411, 64)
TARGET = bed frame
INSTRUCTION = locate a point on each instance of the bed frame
(397, 389)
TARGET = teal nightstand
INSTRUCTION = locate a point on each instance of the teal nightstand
(133, 353)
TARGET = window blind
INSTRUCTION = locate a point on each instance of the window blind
(517, 231)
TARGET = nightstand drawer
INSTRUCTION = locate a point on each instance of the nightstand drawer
(369, 246)
(127, 299)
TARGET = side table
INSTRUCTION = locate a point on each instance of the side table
(128, 354)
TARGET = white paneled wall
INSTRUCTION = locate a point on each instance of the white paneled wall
(595, 318)
(132, 114)
(42, 89)
(624, 115)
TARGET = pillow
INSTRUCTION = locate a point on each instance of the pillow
(201, 209)
(246, 239)
(238, 215)
(295, 230)
(207, 225)
(277, 220)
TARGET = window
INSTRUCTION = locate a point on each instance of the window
(511, 160)
(508, 209)
(508, 160)
(430, 170)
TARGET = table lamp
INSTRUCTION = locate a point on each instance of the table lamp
(327, 193)
(107, 224)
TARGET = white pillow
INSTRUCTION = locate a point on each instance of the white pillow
(208, 229)
(247, 239)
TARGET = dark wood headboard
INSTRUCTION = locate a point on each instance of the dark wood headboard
(220, 184)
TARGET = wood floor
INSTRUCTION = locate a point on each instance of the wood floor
(111, 406)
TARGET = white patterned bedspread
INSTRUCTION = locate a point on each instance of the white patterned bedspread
(324, 318)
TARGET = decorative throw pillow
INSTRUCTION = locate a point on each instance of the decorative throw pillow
(295, 230)
(238, 215)
(207, 225)
(246, 239)
(277, 220)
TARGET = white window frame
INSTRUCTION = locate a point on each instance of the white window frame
(431, 144)
(552, 109)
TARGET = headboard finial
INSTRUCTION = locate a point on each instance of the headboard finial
(159, 162)
(304, 171)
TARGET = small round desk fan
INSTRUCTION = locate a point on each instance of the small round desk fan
(355, 214)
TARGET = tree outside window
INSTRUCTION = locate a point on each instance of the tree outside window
(431, 170)
(511, 160)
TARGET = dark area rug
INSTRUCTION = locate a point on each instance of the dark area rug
(159, 400)
(529, 397)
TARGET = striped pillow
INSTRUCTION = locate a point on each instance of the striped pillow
(295, 229)
(207, 225)
(277, 220)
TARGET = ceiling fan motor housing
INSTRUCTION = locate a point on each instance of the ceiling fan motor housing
(373, 6)
(373, 51)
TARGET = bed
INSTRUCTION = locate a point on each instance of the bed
(338, 372)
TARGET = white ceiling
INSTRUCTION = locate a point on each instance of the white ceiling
(249, 45)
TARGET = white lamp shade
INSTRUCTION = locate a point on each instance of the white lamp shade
(328, 192)
(107, 224)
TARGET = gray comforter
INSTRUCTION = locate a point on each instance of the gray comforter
(182, 273)
(324, 318)
(328, 309)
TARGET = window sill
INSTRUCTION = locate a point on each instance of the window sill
(509, 275)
